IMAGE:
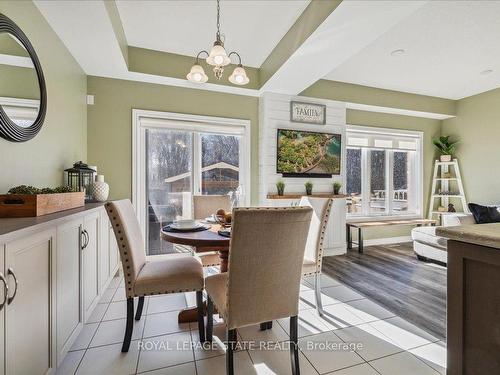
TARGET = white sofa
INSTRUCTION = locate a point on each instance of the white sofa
(429, 247)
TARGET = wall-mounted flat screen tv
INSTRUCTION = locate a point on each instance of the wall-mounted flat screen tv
(308, 154)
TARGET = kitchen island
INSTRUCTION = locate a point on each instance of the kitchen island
(473, 319)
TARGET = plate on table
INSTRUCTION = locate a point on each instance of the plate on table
(183, 228)
(186, 225)
(211, 219)
(226, 232)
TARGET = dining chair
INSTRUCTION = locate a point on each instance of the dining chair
(263, 279)
(204, 206)
(313, 256)
(147, 275)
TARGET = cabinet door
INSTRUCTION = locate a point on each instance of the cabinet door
(90, 263)
(29, 341)
(2, 311)
(104, 272)
(68, 279)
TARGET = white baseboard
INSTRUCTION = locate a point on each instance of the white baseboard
(386, 241)
(341, 250)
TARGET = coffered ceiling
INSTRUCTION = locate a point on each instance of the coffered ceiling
(253, 28)
(447, 49)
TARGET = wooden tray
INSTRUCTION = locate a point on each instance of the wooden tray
(21, 205)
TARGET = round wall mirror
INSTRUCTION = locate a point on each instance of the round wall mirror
(23, 95)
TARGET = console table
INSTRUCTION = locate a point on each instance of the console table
(379, 223)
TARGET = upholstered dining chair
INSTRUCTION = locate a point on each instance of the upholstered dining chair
(314, 247)
(145, 275)
(203, 207)
(263, 280)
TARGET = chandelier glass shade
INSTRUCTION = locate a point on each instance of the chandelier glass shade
(218, 58)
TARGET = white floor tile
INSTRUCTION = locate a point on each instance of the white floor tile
(210, 350)
(165, 351)
(368, 311)
(327, 352)
(402, 363)
(120, 295)
(308, 298)
(168, 302)
(85, 336)
(402, 333)
(98, 313)
(112, 332)
(364, 369)
(341, 293)
(373, 344)
(326, 281)
(253, 333)
(270, 362)
(107, 296)
(309, 323)
(340, 316)
(434, 355)
(184, 369)
(109, 360)
(163, 324)
(217, 365)
(117, 310)
(70, 363)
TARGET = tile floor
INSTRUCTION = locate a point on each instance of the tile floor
(355, 337)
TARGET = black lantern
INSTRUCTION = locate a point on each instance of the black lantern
(80, 177)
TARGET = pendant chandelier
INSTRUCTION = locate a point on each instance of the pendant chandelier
(218, 58)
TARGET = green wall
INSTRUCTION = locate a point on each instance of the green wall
(63, 137)
(110, 123)
(477, 126)
(18, 82)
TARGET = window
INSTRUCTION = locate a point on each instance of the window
(383, 174)
(175, 159)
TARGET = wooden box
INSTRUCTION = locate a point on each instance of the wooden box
(21, 205)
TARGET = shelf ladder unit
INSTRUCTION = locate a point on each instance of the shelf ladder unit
(439, 181)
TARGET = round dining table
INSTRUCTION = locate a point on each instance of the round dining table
(201, 241)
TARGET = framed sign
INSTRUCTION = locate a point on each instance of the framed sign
(308, 113)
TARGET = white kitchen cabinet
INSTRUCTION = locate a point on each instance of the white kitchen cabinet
(69, 317)
(104, 254)
(63, 267)
(114, 255)
(29, 322)
(3, 306)
(90, 263)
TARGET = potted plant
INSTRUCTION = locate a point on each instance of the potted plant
(309, 187)
(445, 147)
(280, 186)
(336, 187)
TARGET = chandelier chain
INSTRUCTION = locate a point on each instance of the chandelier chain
(218, 19)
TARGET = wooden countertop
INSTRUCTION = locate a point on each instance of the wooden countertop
(478, 234)
(11, 225)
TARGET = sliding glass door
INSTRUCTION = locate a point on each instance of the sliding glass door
(169, 181)
(178, 160)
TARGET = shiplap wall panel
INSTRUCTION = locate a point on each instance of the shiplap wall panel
(274, 112)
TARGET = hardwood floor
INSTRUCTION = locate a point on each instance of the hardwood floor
(392, 276)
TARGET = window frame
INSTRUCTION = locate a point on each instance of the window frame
(143, 119)
(416, 160)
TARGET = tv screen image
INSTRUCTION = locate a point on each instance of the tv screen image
(304, 153)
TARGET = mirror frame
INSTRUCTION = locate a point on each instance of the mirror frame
(8, 128)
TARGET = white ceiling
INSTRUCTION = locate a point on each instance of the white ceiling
(447, 45)
(252, 28)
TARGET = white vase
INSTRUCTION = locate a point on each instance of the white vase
(445, 157)
(100, 189)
